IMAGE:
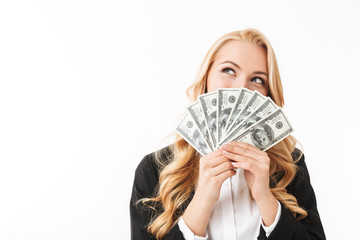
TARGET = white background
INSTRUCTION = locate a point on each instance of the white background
(87, 88)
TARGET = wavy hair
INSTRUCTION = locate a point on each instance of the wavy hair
(180, 165)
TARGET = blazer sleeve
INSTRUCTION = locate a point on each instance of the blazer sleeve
(145, 182)
(308, 228)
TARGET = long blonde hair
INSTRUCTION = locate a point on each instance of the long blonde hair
(180, 170)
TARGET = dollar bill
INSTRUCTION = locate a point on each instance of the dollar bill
(265, 109)
(241, 101)
(191, 133)
(208, 103)
(255, 101)
(226, 101)
(267, 132)
(197, 114)
(233, 114)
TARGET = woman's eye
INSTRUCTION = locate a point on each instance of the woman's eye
(258, 80)
(228, 71)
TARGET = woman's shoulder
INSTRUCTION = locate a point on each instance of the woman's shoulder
(147, 174)
(301, 181)
(299, 159)
(152, 163)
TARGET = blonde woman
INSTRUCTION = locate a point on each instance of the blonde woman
(177, 194)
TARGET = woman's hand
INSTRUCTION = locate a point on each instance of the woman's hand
(256, 165)
(214, 169)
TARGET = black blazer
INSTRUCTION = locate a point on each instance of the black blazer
(146, 180)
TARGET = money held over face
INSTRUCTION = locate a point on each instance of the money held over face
(233, 114)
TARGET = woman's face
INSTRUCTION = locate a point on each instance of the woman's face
(239, 64)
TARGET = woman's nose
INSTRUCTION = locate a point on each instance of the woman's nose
(242, 82)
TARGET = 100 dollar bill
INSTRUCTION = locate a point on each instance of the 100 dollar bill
(226, 100)
(197, 114)
(191, 133)
(261, 112)
(208, 103)
(241, 101)
(255, 101)
(267, 132)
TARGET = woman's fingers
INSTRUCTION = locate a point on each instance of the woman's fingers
(234, 156)
(244, 150)
(247, 158)
(213, 159)
(227, 165)
(213, 170)
(225, 175)
(246, 146)
(254, 162)
(256, 167)
(212, 155)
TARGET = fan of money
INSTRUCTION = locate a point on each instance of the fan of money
(233, 114)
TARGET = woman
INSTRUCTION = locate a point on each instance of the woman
(178, 194)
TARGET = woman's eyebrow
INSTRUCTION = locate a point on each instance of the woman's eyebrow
(263, 73)
(231, 63)
(257, 72)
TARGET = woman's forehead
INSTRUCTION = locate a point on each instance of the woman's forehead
(244, 54)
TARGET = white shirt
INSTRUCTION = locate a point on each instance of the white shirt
(234, 216)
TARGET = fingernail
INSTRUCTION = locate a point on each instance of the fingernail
(225, 152)
(233, 163)
(226, 145)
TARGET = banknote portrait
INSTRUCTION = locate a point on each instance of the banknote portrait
(203, 126)
(224, 117)
(250, 121)
(212, 122)
(199, 141)
(262, 136)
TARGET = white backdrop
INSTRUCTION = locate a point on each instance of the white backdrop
(87, 88)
